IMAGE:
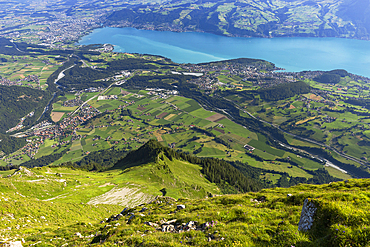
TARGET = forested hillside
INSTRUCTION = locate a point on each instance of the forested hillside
(10, 144)
(283, 91)
(332, 76)
(17, 102)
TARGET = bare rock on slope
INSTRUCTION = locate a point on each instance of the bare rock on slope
(307, 215)
(129, 197)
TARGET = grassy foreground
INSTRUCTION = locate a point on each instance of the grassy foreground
(266, 218)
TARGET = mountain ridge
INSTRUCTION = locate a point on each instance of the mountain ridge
(216, 171)
(346, 19)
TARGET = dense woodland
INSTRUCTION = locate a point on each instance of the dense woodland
(332, 76)
(284, 91)
(10, 144)
(258, 63)
(80, 77)
(101, 160)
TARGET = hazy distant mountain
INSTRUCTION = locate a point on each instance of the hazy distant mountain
(322, 18)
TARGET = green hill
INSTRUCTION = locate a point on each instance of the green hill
(228, 178)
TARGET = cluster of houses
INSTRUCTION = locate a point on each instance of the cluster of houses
(64, 29)
(45, 130)
(21, 81)
(72, 102)
(208, 75)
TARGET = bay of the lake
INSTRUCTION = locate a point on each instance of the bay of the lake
(292, 54)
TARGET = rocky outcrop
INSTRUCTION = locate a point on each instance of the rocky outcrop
(307, 216)
(22, 171)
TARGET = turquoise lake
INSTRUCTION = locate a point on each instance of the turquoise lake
(292, 54)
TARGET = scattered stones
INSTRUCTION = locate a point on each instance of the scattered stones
(78, 235)
(168, 222)
(307, 214)
(289, 195)
(191, 225)
(172, 226)
(179, 207)
(168, 228)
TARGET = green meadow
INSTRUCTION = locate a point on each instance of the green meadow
(52, 206)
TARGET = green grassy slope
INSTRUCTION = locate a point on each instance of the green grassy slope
(265, 218)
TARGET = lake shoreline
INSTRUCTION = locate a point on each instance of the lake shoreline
(294, 54)
(182, 30)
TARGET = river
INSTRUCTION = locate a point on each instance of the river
(292, 54)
